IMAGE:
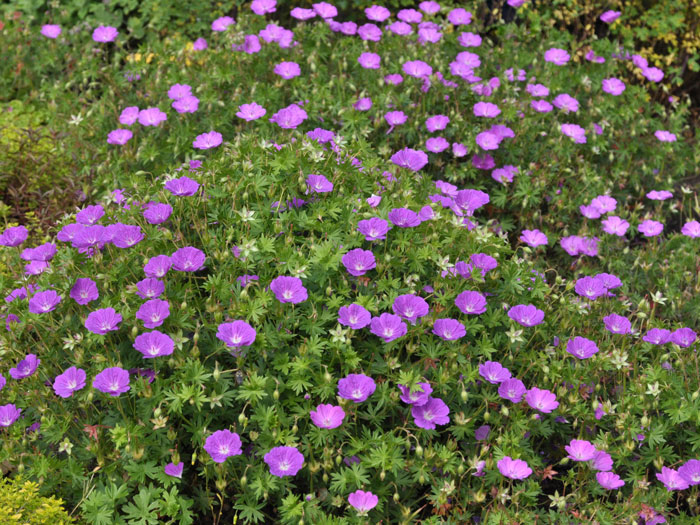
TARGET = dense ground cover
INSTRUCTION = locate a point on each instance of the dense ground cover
(429, 267)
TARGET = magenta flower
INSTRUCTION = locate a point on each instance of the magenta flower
(613, 86)
(356, 387)
(129, 115)
(590, 287)
(683, 337)
(363, 501)
(84, 290)
(50, 30)
(691, 229)
(410, 307)
(70, 381)
(404, 218)
(103, 321)
(436, 144)
(433, 412)
(157, 212)
(171, 469)
(617, 324)
(104, 34)
(471, 303)
(14, 236)
(653, 74)
(657, 336)
(126, 236)
(327, 416)
(374, 229)
(400, 29)
(377, 13)
(533, 238)
(287, 70)
(325, 10)
(284, 461)
(541, 106)
(395, 118)
(9, 414)
(263, 7)
(566, 102)
(665, 136)
(581, 347)
(650, 228)
(449, 329)
(418, 397)
(369, 60)
(417, 69)
(574, 131)
(358, 261)
(182, 187)
(302, 14)
(459, 16)
(513, 468)
(580, 450)
(318, 184)
(494, 372)
(512, 389)
(289, 117)
(154, 344)
(602, 461)
(119, 137)
(609, 17)
(236, 334)
(537, 90)
(410, 158)
(526, 315)
(26, 367)
(113, 381)
(90, 215)
(152, 117)
(178, 91)
(388, 327)
(486, 109)
(43, 302)
(157, 266)
(354, 316)
(609, 480)
(252, 111)
(223, 444)
(363, 104)
(672, 480)
(690, 471)
(659, 195)
(437, 123)
(542, 400)
(153, 313)
(207, 140)
(187, 259)
(468, 39)
(459, 149)
(288, 289)
(556, 56)
(222, 23)
(487, 140)
(615, 225)
(188, 104)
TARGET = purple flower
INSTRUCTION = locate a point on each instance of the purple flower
(449, 329)
(665, 136)
(84, 290)
(363, 104)
(104, 34)
(657, 336)
(566, 102)
(90, 215)
(388, 327)
(437, 123)
(691, 229)
(103, 321)
(602, 461)
(537, 90)
(151, 117)
(188, 104)
(26, 367)
(50, 30)
(581, 347)
(363, 501)
(580, 450)
(289, 117)
(617, 324)
(252, 111)
(325, 10)
(574, 131)
(14, 236)
(541, 106)
(542, 400)
(171, 469)
(472, 303)
(418, 397)
(113, 381)
(157, 266)
(284, 461)
(69, 382)
(417, 69)
(222, 23)
(494, 372)
(436, 144)
(262, 7)
(377, 13)
(153, 313)
(374, 229)
(613, 86)
(659, 195)
(526, 315)
(182, 187)
(187, 259)
(223, 444)
(533, 238)
(157, 212)
(615, 226)
(487, 140)
(288, 289)
(369, 60)
(672, 480)
(410, 158)
(302, 14)
(207, 140)
(512, 389)
(129, 115)
(459, 16)
(653, 73)
(690, 471)
(482, 433)
(327, 416)
(287, 70)
(3, 381)
(356, 387)
(154, 344)
(178, 91)
(410, 307)
(683, 337)
(354, 316)
(486, 109)
(9, 414)
(358, 261)
(319, 184)
(609, 480)
(556, 56)
(650, 228)
(126, 236)
(395, 118)
(43, 302)
(236, 334)
(433, 412)
(609, 17)
(590, 287)
(44, 252)
(119, 137)
(513, 468)
(471, 200)
(404, 218)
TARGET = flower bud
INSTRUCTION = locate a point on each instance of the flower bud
(243, 480)
(325, 477)
(396, 497)
(295, 429)
(327, 377)
(419, 451)
(221, 485)
(487, 416)
(695, 395)
(382, 475)
(276, 394)
(464, 396)
(460, 469)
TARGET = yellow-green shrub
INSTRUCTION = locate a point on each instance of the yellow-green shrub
(20, 504)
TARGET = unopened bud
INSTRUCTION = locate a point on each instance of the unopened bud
(464, 396)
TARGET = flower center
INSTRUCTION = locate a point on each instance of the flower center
(284, 466)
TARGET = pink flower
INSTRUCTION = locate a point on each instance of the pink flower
(327, 416)
(556, 56)
(207, 140)
(363, 501)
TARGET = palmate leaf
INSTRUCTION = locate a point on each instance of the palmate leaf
(143, 509)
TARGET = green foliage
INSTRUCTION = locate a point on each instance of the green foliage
(21, 504)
